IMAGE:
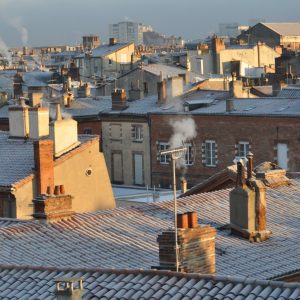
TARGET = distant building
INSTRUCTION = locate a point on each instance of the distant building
(90, 41)
(106, 61)
(273, 34)
(229, 29)
(127, 32)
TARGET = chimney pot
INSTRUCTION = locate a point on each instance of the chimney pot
(192, 219)
(57, 190)
(49, 190)
(62, 189)
(249, 165)
(182, 221)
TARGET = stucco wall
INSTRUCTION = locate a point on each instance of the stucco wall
(127, 147)
(90, 193)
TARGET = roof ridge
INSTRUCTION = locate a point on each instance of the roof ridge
(235, 279)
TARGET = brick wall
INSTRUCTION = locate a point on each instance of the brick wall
(196, 250)
(262, 133)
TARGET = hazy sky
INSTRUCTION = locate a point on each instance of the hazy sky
(45, 22)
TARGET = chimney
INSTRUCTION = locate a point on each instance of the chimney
(248, 205)
(18, 120)
(69, 288)
(119, 99)
(174, 87)
(196, 246)
(236, 87)
(63, 132)
(112, 41)
(217, 44)
(35, 99)
(53, 207)
(38, 122)
(162, 92)
(44, 165)
(183, 185)
(229, 105)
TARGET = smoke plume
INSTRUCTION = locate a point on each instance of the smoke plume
(183, 131)
(18, 25)
(4, 51)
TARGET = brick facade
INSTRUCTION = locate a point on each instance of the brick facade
(263, 134)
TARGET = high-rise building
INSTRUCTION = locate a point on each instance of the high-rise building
(126, 32)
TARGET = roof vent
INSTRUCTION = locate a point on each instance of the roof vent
(69, 288)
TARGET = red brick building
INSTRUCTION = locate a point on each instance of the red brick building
(270, 128)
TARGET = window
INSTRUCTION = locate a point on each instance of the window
(87, 131)
(243, 149)
(210, 153)
(137, 133)
(163, 158)
(110, 62)
(115, 131)
(189, 155)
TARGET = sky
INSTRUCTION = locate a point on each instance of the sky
(61, 22)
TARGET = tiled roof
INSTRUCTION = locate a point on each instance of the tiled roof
(125, 238)
(38, 284)
(88, 107)
(290, 92)
(285, 29)
(17, 158)
(170, 71)
(255, 107)
(37, 78)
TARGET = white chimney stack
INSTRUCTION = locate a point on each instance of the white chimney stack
(64, 133)
(19, 120)
(38, 122)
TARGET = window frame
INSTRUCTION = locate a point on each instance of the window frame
(211, 153)
(245, 145)
(137, 134)
(163, 159)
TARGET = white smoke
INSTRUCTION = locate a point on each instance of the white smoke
(184, 131)
(17, 23)
(4, 51)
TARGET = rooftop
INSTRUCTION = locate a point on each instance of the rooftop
(104, 50)
(17, 158)
(125, 238)
(38, 283)
(285, 29)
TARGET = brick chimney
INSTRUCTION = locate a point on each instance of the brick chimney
(196, 246)
(53, 207)
(44, 165)
(119, 99)
(248, 205)
(38, 122)
(63, 131)
(217, 44)
(69, 288)
(18, 120)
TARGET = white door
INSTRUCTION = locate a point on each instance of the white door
(138, 169)
(282, 155)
